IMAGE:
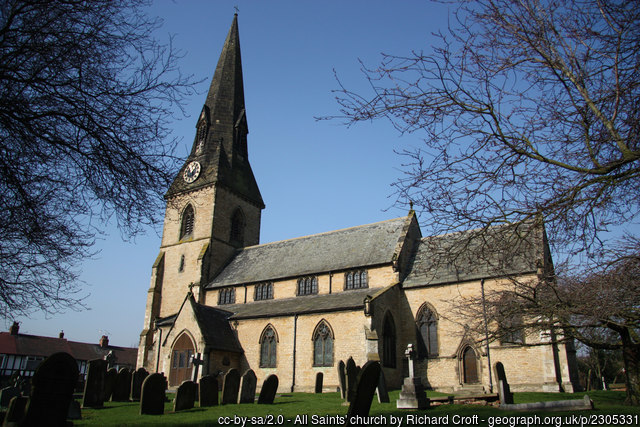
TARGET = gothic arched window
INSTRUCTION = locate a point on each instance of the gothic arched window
(308, 285)
(428, 326)
(268, 343)
(322, 345)
(389, 342)
(263, 291)
(186, 225)
(237, 227)
(227, 296)
(356, 279)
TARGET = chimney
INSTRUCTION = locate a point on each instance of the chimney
(61, 335)
(13, 330)
(104, 341)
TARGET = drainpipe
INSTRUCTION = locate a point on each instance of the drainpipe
(159, 345)
(295, 328)
(486, 335)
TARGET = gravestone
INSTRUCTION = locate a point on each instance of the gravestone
(153, 395)
(412, 395)
(364, 390)
(268, 390)
(15, 412)
(230, 387)
(136, 383)
(196, 361)
(381, 390)
(319, 380)
(74, 412)
(504, 391)
(248, 387)
(94, 387)
(52, 391)
(122, 387)
(208, 391)
(110, 383)
(6, 394)
(185, 396)
(342, 378)
(351, 378)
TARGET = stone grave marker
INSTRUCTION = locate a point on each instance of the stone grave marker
(208, 391)
(110, 383)
(412, 395)
(342, 378)
(94, 387)
(74, 412)
(268, 390)
(381, 390)
(6, 394)
(230, 387)
(185, 396)
(319, 380)
(153, 395)
(52, 391)
(351, 378)
(365, 388)
(196, 361)
(504, 391)
(122, 387)
(248, 387)
(136, 383)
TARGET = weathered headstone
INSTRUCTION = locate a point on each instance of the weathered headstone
(268, 390)
(52, 391)
(197, 361)
(351, 378)
(248, 387)
(110, 383)
(504, 391)
(342, 378)
(365, 388)
(94, 386)
(8, 393)
(185, 396)
(230, 387)
(381, 390)
(319, 380)
(412, 395)
(136, 383)
(122, 387)
(16, 411)
(74, 412)
(208, 391)
(153, 395)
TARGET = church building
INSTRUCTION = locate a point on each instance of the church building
(297, 307)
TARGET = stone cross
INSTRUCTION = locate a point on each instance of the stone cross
(196, 359)
(411, 354)
(111, 359)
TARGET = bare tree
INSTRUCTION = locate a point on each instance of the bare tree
(86, 92)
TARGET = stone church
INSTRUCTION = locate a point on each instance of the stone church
(297, 307)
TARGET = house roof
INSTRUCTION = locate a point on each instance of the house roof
(366, 245)
(472, 255)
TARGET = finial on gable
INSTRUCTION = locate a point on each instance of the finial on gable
(411, 211)
(236, 9)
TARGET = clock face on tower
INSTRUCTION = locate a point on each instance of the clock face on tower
(192, 172)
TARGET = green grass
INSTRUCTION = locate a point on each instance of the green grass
(289, 406)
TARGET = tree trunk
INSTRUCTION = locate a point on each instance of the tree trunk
(631, 357)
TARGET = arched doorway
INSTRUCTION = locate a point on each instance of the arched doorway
(469, 366)
(181, 363)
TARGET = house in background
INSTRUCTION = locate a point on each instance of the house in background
(23, 353)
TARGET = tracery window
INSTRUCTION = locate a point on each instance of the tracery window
(188, 219)
(263, 291)
(322, 345)
(268, 343)
(308, 285)
(428, 326)
(227, 296)
(356, 279)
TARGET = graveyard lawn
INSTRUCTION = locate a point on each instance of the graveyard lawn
(291, 405)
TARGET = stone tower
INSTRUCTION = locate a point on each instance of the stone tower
(213, 205)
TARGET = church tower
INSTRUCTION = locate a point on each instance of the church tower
(213, 205)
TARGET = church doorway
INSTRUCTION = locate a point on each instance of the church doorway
(181, 362)
(470, 366)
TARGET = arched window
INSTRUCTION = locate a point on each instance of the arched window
(186, 225)
(389, 342)
(308, 285)
(356, 279)
(428, 326)
(237, 228)
(227, 296)
(263, 291)
(322, 345)
(268, 342)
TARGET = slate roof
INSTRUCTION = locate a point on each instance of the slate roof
(473, 255)
(366, 245)
(215, 328)
(340, 301)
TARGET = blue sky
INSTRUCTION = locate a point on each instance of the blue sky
(314, 176)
